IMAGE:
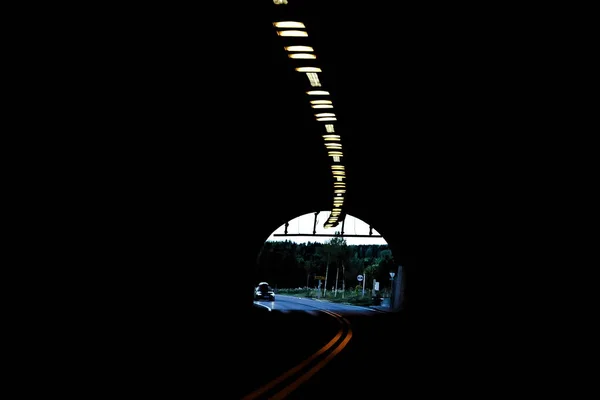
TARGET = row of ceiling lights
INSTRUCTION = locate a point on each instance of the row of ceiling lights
(301, 51)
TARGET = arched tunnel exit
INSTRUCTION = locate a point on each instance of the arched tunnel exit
(269, 219)
(351, 264)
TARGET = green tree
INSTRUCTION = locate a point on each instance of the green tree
(356, 266)
(333, 251)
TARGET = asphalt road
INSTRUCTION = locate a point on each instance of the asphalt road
(285, 303)
(306, 348)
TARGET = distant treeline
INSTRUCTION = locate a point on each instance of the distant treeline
(293, 265)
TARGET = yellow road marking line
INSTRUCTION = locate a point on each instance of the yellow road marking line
(281, 394)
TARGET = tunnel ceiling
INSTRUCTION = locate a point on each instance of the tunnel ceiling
(362, 68)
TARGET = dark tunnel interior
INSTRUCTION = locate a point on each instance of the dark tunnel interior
(189, 139)
(204, 144)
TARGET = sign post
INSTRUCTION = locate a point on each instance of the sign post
(392, 289)
(362, 279)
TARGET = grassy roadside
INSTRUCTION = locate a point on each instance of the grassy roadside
(347, 297)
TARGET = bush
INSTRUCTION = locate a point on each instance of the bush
(352, 296)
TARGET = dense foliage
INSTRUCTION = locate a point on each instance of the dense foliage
(288, 265)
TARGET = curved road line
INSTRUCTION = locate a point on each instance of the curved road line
(262, 305)
(285, 391)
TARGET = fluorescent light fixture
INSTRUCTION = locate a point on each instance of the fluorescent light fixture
(288, 24)
(317, 92)
(313, 78)
(308, 69)
(322, 106)
(340, 191)
(292, 33)
(332, 137)
(337, 167)
(327, 119)
(299, 48)
(325, 115)
(302, 56)
(320, 102)
(333, 145)
(334, 153)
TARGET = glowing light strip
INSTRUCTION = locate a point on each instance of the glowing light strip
(299, 48)
(302, 56)
(288, 24)
(304, 52)
(308, 69)
(292, 33)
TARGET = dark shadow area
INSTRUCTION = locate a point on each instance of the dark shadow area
(202, 143)
(188, 138)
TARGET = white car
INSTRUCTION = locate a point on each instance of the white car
(264, 292)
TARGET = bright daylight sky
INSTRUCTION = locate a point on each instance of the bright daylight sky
(304, 224)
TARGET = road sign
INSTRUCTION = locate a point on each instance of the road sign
(392, 275)
(359, 278)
